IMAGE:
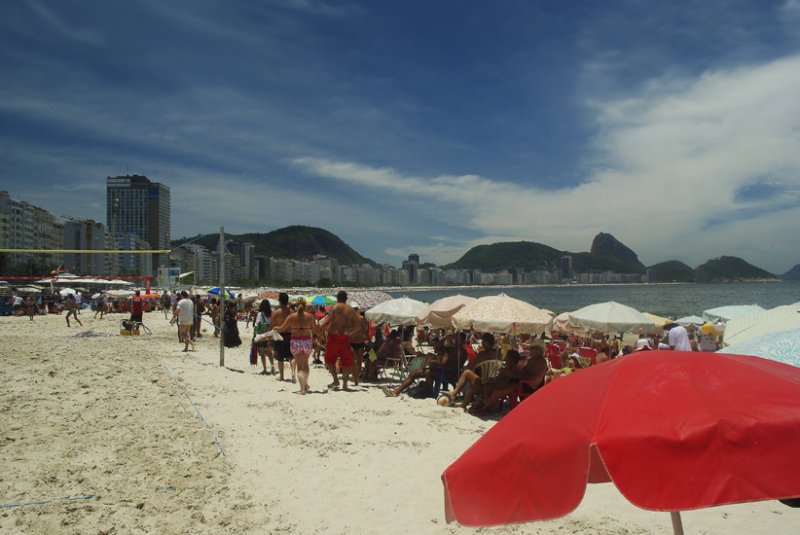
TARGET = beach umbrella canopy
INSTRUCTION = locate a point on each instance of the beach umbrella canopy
(401, 311)
(718, 314)
(685, 321)
(673, 430)
(502, 314)
(611, 317)
(66, 291)
(440, 312)
(320, 300)
(227, 295)
(776, 319)
(365, 300)
(120, 293)
(781, 346)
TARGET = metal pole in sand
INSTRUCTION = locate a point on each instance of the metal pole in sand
(222, 307)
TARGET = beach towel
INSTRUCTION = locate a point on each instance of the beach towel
(253, 354)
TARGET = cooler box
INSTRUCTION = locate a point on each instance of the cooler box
(125, 328)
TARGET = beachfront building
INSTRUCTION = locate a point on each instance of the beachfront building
(132, 262)
(137, 205)
(25, 226)
(87, 235)
(565, 265)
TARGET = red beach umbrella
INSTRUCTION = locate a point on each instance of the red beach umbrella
(673, 430)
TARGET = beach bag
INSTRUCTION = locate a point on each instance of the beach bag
(421, 390)
(262, 327)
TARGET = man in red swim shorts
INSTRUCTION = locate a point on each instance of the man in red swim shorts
(341, 320)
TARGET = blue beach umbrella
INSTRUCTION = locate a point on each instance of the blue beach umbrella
(227, 295)
(781, 346)
(320, 300)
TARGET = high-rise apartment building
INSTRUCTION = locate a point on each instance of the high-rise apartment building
(135, 204)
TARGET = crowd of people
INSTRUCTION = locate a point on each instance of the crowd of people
(482, 370)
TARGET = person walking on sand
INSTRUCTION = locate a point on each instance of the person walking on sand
(342, 321)
(358, 344)
(184, 315)
(303, 327)
(72, 310)
(283, 351)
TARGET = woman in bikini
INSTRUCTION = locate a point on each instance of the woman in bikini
(303, 328)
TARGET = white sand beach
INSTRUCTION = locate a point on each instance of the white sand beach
(119, 435)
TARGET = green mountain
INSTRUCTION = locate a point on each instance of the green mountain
(508, 255)
(532, 256)
(673, 271)
(607, 245)
(295, 242)
(729, 268)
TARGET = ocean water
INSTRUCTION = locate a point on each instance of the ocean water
(674, 300)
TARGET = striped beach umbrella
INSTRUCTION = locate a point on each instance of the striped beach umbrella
(767, 321)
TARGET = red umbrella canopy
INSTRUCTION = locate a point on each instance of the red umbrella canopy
(673, 430)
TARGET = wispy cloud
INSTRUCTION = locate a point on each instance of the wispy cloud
(676, 156)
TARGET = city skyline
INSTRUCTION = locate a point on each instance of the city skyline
(416, 127)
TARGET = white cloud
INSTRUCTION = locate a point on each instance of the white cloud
(671, 161)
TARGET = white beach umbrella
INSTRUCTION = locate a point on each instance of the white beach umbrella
(611, 317)
(730, 312)
(685, 321)
(776, 319)
(440, 312)
(66, 291)
(400, 311)
(502, 314)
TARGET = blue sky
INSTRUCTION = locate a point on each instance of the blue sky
(419, 127)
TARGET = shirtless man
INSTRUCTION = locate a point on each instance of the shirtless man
(303, 327)
(283, 350)
(342, 321)
(72, 309)
(357, 338)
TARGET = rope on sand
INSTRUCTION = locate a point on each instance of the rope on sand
(47, 501)
(193, 405)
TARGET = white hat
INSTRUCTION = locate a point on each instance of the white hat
(642, 343)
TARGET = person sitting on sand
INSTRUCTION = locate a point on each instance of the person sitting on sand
(302, 325)
(444, 358)
(515, 370)
(390, 348)
(469, 376)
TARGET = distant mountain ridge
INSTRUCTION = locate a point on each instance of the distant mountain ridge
(295, 242)
(793, 274)
(607, 254)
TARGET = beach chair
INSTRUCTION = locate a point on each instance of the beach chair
(397, 362)
(415, 364)
(588, 352)
(488, 369)
(522, 393)
(553, 355)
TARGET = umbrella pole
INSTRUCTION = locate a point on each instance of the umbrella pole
(222, 307)
(677, 525)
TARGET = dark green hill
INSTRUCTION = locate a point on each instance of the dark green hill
(590, 262)
(532, 256)
(729, 268)
(295, 242)
(527, 255)
(607, 245)
(793, 274)
(673, 271)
